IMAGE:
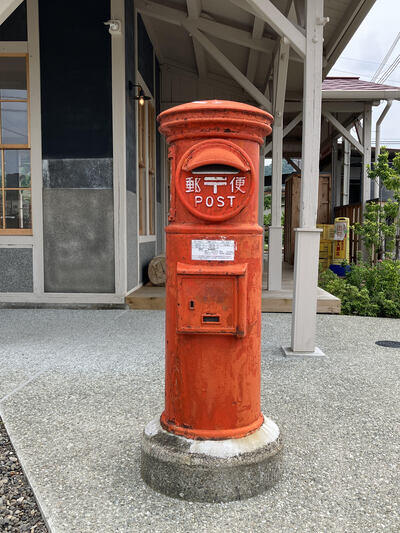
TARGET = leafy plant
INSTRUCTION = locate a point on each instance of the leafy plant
(367, 290)
(377, 229)
(380, 229)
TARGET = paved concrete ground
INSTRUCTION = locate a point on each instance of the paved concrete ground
(77, 388)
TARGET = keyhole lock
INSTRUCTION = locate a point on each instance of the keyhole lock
(191, 305)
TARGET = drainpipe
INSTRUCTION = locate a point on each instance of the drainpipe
(377, 188)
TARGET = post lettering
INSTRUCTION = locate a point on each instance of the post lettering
(209, 201)
(231, 198)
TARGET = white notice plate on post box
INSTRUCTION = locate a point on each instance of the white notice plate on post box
(207, 250)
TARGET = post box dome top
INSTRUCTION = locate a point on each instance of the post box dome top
(215, 118)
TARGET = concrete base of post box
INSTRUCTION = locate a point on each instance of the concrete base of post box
(211, 470)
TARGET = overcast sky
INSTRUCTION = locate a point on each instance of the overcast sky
(363, 55)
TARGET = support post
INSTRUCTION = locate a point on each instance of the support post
(346, 171)
(275, 230)
(336, 174)
(307, 236)
(366, 160)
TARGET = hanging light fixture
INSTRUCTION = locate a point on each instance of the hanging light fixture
(141, 97)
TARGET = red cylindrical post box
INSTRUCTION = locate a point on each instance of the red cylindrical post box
(214, 269)
(214, 279)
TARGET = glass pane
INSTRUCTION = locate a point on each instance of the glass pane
(142, 202)
(14, 123)
(27, 208)
(141, 132)
(151, 137)
(18, 209)
(152, 211)
(13, 78)
(17, 165)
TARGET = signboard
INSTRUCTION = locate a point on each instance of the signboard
(213, 250)
(341, 243)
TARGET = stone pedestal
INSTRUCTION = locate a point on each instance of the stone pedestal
(211, 470)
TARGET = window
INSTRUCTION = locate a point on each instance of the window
(147, 167)
(15, 165)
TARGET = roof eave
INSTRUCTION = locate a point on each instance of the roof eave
(363, 96)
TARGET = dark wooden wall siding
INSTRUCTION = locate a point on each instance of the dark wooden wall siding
(75, 56)
(14, 28)
(130, 102)
(145, 55)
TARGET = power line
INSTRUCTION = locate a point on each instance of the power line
(358, 60)
(384, 60)
(391, 68)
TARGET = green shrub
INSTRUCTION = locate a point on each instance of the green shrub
(367, 290)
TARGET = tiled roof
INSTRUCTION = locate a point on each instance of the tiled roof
(353, 84)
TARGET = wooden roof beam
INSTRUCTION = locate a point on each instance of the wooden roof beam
(252, 62)
(270, 14)
(292, 124)
(343, 131)
(222, 31)
(299, 6)
(194, 11)
(227, 65)
(7, 7)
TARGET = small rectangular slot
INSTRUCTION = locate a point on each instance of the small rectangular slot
(191, 305)
(215, 169)
(214, 319)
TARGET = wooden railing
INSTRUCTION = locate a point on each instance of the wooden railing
(354, 213)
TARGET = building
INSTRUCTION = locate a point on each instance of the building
(85, 175)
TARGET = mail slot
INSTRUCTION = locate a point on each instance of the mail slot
(214, 257)
(209, 318)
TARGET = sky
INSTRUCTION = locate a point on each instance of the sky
(364, 53)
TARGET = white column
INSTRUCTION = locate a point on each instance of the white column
(275, 230)
(336, 174)
(119, 147)
(36, 145)
(366, 160)
(307, 236)
(346, 171)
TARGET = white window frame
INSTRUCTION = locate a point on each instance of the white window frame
(34, 241)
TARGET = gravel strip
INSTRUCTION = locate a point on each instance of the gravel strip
(19, 511)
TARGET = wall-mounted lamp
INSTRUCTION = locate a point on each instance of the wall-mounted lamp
(140, 96)
(114, 26)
